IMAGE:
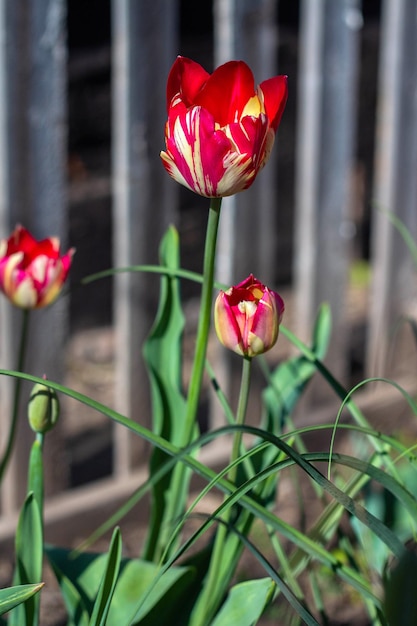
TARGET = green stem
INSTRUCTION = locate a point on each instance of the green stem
(203, 329)
(36, 471)
(178, 489)
(216, 580)
(241, 413)
(16, 400)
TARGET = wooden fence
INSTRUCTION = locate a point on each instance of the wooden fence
(318, 207)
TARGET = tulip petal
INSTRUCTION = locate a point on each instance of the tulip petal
(265, 322)
(226, 324)
(196, 152)
(185, 78)
(227, 92)
(25, 295)
(238, 175)
(274, 93)
(249, 137)
(9, 270)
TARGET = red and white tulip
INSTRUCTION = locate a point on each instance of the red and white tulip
(220, 129)
(247, 317)
(32, 272)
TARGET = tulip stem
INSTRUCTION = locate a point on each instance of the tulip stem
(203, 329)
(16, 400)
(220, 565)
(176, 502)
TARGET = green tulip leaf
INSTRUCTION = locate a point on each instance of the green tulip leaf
(29, 555)
(162, 352)
(13, 596)
(28, 543)
(245, 603)
(138, 596)
(108, 582)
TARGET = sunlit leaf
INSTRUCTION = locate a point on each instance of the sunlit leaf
(245, 603)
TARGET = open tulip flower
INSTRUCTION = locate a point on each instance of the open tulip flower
(247, 317)
(32, 272)
(220, 129)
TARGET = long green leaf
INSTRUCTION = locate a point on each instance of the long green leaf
(280, 583)
(163, 356)
(380, 529)
(29, 554)
(277, 524)
(13, 596)
(162, 349)
(286, 384)
(78, 604)
(108, 582)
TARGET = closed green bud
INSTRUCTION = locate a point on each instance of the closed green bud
(43, 408)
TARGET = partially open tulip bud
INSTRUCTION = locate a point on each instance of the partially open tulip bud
(32, 272)
(43, 408)
(220, 129)
(247, 317)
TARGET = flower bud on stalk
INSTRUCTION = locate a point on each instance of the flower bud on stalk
(247, 317)
(43, 408)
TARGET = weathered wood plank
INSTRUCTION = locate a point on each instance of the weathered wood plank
(33, 187)
(394, 290)
(324, 153)
(144, 198)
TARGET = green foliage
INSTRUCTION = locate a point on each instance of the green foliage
(13, 596)
(127, 591)
(29, 554)
(400, 600)
(289, 380)
(191, 577)
(163, 356)
(245, 603)
(108, 582)
(287, 383)
(35, 473)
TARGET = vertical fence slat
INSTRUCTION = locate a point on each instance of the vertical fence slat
(144, 35)
(325, 144)
(33, 165)
(395, 179)
(246, 30)
(8, 324)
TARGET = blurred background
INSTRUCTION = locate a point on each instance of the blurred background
(82, 113)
